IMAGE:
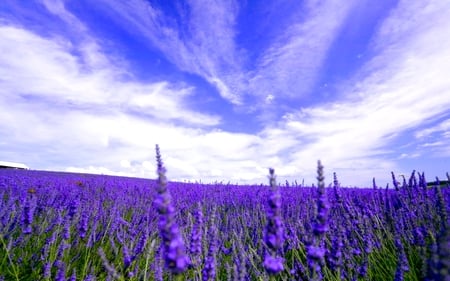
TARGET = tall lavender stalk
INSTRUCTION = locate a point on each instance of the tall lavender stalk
(196, 236)
(316, 250)
(439, 261)
(209, 270)
(28, 212)
(175, 256)
(274, 235)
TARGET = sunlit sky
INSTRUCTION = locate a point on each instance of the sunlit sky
(227, 88)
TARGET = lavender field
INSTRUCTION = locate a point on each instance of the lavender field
(61, 226)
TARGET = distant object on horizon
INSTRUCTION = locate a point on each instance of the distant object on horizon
(12, 165)
(442, 183)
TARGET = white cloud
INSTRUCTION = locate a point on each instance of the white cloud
(291, 65)
(55, 75)
(204, 47)
(125, 164)
(409, 156)
(443, 127)
(393, 94)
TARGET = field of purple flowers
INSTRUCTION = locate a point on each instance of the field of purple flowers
(62, 226)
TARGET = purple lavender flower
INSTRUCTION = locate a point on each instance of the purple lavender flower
(66, 229)
(394, 181)
(335, 257)
(273, 265)
(61, 270)
(402, 261)
(28, 213)
(439, 260)
(83, 224)
(175, 257)
(196, 236)
(239, 260)
(316, 250)
(140, 245)
(320, 227)
(47, 270)
(441, 206)
(157, 266)
(423, 181)
(73, 208)
(209, 270)
(274, 233)
(126, 256)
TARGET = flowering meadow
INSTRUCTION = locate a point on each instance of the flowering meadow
(63, 226)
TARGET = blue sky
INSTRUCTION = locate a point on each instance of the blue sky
(227, 88)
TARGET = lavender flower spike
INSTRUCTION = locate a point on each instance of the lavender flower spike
(28, 213)
(209, 270)
(316, 250)
(274, 235)
(196, 236)
(176, 259)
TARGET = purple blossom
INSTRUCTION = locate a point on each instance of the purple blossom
(335, 256)
(239, 261)
(439, 260)
(73, 208)
(66, 229)
(61, 270)
(316, 250)
(157, 267)
(274, 233)
(315, 253)
(176, 259)
(196, 236)
(28, 213)
(394, 181)
(83, 224)
(209, 269)
(126, 256)
(273, 265)
(140, 245)
(47, 270)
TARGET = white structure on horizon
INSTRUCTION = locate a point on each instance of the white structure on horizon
(12, 165)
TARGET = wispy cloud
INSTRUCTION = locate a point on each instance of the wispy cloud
(56, 76)
(200, 40)
(67, 114)
(403, 87)
(441, 128)
(290, 67)
(435, 140)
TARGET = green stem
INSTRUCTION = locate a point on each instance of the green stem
(14, 268)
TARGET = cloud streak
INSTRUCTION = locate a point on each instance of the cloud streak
(393, 94)
(204, 46)
(291, 65)
(55, 75)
